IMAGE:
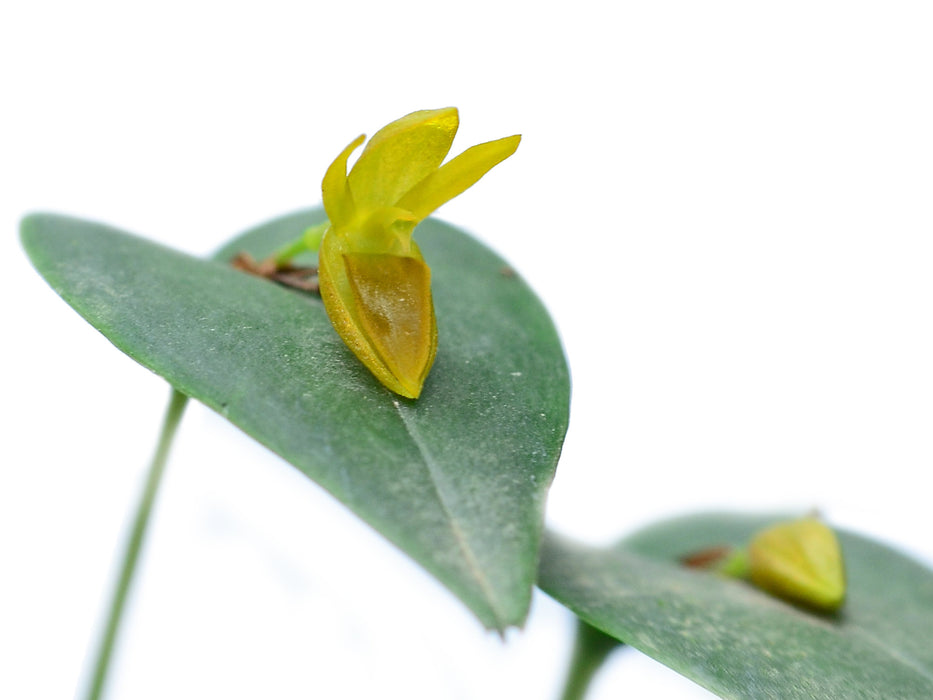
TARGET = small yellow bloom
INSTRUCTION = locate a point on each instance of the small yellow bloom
(800, 561)
(374, 282)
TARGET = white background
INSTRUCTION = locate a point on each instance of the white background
(725, 206)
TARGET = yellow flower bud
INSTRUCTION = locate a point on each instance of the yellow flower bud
(374, 282)
(800, 561)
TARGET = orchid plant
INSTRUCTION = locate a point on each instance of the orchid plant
(424, 385)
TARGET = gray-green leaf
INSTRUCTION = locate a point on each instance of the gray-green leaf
(457, 479)
(739, 642)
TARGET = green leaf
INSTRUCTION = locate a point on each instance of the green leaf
(740, 642)
(457, 479)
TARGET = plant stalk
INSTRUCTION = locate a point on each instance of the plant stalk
(589, 652)
(309, 242)
(173, 414)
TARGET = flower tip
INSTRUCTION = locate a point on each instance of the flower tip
(511, 143)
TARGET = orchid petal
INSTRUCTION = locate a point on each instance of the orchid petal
(338, 201)
(400, 155)
(456, 176)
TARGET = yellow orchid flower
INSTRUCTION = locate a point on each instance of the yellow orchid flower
(374, 282)
(800, 561)
(796, 560)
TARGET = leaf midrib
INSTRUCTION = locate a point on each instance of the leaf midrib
(895, 655)
(459, 537)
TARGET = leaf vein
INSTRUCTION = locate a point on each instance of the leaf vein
(459, 535)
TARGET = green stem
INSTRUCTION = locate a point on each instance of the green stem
(173, 413)
(735, 565)
(589, 651)
(308, 243)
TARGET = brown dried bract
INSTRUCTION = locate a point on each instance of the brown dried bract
(301, 278)
(705, 557)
